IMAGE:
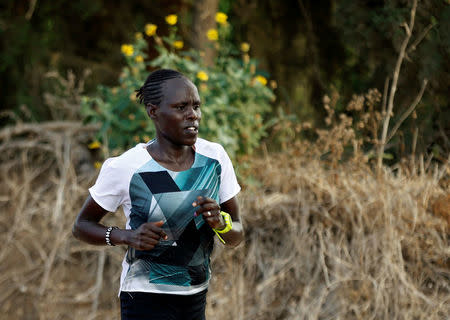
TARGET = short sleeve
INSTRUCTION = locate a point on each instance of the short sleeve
(229, 186)
(109, 190)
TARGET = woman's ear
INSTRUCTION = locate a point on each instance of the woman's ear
(151, 110)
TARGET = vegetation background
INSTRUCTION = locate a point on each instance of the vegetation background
(336, 114)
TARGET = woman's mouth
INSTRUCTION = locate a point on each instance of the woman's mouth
(191, 129)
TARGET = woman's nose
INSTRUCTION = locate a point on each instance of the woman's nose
(192, 113)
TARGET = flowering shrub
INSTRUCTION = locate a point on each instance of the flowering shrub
(235, 97)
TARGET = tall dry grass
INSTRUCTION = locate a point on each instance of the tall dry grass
(337, 243)
(323, 240)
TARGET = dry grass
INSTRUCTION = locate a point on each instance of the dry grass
(337, 242)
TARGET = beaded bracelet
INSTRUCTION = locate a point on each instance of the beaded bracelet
(108, 234)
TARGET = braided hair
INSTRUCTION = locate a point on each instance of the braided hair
(151, 91)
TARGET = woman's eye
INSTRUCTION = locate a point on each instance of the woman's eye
(180, 107)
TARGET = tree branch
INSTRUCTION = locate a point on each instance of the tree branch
(385, 92)
(409, 111)
(39, 128)
(30, 11)
(401, 56)
(419, 39)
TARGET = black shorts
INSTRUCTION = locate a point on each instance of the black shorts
(155, 306)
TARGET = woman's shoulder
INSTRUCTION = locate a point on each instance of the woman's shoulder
(203, 145)
(129, 158)
(211, 149)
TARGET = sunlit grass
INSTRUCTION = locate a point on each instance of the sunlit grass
(324, 240)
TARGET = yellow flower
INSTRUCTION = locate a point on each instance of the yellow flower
(97, 164)
(172, 19)
(94, 145)
(178, 44)
(139, 59)
(212, 35)
(221, 18)
(202, 75)
(261, 80)
(245, 46)
(138, 35)
(146, 138)
(150, 29)
(127, 49)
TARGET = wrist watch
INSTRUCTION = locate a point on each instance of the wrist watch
(228, 225)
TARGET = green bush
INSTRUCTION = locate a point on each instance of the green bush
(235, 96)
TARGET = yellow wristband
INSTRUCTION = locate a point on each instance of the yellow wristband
(228, 226)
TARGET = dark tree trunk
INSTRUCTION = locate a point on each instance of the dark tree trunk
(203, 19)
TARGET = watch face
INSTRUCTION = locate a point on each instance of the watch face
(228, 222)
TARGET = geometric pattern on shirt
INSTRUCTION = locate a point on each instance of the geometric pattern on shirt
(160, 194)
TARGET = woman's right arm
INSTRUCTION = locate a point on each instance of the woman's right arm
(87, 228)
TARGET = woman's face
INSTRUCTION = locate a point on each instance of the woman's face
(178, 116)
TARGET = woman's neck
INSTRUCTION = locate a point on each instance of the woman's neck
(170, 156)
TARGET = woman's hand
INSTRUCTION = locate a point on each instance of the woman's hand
(210, 210)
(147, 236)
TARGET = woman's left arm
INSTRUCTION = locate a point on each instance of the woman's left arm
(210, 210)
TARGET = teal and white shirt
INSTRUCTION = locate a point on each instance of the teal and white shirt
(149, 192)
